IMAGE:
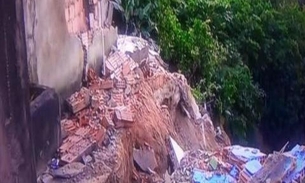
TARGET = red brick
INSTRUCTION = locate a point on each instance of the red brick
(120, 84)
(123, 114)
(130, 80)
(99, 135)
(76, 152)
(68, 126)
(107, 121)
(79, 100)
(83, 132)
(126, 69)
(78, 7)
(95, 101)
(108, 84)
(117, 98)
(115, 60)
(68, 143)
(84, 121)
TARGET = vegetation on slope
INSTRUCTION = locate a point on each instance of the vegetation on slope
(244, 56)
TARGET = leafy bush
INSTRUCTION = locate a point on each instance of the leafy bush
(244, 55)
(137, 14)
(194, 36)
(236, 52)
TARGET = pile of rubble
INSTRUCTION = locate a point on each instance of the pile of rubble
(138, 123)
(125, 126)
(242, 164)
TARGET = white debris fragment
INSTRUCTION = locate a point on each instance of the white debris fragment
(179, 153)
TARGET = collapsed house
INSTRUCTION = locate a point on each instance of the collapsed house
(131, 117)
(138, 123)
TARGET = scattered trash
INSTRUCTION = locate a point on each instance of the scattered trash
(253, 166)
(213, 163)
(201, 176)
(299, 172)
(242, 164)
(250, 168)
(276, 167)
(234, 172)
(54, 164)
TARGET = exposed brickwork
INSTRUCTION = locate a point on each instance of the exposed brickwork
(75, 16)
(79, 19)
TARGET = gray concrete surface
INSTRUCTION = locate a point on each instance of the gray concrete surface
(55, 57)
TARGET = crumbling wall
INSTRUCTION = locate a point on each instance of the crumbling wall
(55, 57)
(75, 14)
(61, 41)
(100, 47)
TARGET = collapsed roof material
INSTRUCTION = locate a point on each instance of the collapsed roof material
(242, 164)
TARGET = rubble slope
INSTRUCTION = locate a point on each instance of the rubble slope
(138, 104)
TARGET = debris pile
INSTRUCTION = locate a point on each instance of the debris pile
(241, 164)
(138, 123)
(132, 123)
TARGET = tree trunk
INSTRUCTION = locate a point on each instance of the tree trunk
(17, 164)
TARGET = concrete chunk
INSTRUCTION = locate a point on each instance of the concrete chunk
(69, 170)
(145, 158)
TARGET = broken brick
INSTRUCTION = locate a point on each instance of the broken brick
(83, 120)
(118, 98)
(120, 84)
(68, 143)
(99, 135)
(130, 80)
(79, 100)
(126, 69)
(123, 114)
(77, 150)
(95, 103)
(114, 61)
(68, 126)
(107, 121)
(108, 84)
(83, 132)
(128, 90)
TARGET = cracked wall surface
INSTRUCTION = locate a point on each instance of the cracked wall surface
(60, 44)
(55, 58)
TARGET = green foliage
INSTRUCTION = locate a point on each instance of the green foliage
(244, 55)
(236, 52)
(193, 35)
(139, 14)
